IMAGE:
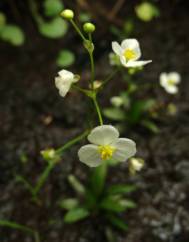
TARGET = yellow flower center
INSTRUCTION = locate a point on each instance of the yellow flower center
(129, 54)
(170, 82)
(106, 151)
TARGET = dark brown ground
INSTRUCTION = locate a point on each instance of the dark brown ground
(28, 97)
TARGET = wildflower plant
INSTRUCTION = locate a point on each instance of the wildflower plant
(105, 147)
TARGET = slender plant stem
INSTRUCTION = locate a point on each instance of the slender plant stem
(98, 110)
(77, 30)
(110, 76)
(72, 142)
(43, 177)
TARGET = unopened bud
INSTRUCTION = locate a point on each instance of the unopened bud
(67, 14)
(89, 27)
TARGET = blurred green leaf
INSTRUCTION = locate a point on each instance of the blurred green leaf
(68, 203)
(112, 203)
(98, 178)
(121, 189)
(12, 34)
(150, 125)
(148, 104)
(2, 20)
(56, 28)
(65, 58)
(76, 185)
(146, 11)
(114, 114)
(84, 17)
(117, 222)
(128, 204)
(53, 7)
(75, 215)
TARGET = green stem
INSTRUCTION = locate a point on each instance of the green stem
(77, 29)
(43, 177)
(72, 142)
(109, 77)
(92, 62)
(98, 110)
(34, 12)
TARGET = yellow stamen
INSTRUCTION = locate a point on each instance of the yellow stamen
(106, 151)
(129, 54)
(171, 82)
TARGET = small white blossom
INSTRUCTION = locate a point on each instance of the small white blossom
(105, 145)
(135, 164)
(169, 81)
(64, 80)
(129, 52)
(116, 101)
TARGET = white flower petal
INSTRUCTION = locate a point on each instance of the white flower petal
(66, 75)
(125, 148)
(89, 155)
(137, 63)
(116, 48)
(172, 89)
(103, 135)
(174, 77)
(133, 45)
(163, 79)
(123, 60)
(130, 44)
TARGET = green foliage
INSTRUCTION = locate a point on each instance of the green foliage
(65, 58)
(120, 189)
(76, 214)
(97, 198)
(12, 34)
(55, 28)
(146, 11)
(114, 113)
(2, 20)
(53, 7)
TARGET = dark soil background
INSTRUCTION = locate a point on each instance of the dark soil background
(28, 100)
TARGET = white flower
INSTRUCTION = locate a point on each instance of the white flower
(117, 101)
(169, 81)
(135, 164)
(105, 145)
(129, 52)
(64, 80)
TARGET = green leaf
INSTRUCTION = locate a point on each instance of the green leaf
(53, 7)
(56, 28)
(148, 104)
(114, 114)
(84, 17)
(14, 225)
(2, 20)
(151, 126)
(128, 204)
(76, 185)
(68, 203)
(75, 215)
(117, 222)
(121, 189)
(98, 179)
(12, 34)
(65, 58)
(113, 203)
(146, 11)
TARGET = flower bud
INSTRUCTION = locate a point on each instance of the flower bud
(135, 164)
(89, 27)
(48, 154)
(67, 14)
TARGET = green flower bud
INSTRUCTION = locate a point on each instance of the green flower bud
(89, 27)
(67, 14)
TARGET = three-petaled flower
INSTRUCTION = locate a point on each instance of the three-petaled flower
(169, 81)
(105, 145)
(129, 52)
(64, 80)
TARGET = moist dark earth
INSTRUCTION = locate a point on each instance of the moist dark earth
(34, 117)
